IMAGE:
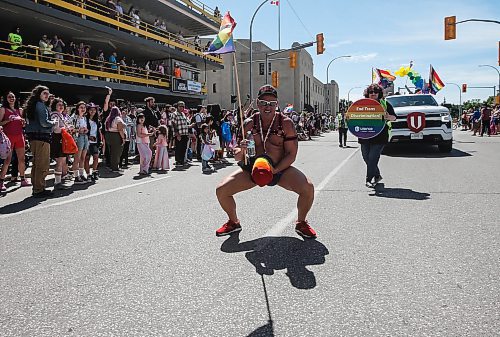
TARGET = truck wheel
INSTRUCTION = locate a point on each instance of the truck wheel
(446, 147)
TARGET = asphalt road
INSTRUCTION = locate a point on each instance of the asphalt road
(419, 256)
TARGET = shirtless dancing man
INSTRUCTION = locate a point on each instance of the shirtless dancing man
(275, 137)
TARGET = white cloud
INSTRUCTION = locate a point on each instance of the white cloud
(362, 58)
(338, 44)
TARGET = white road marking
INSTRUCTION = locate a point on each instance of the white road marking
(285, 222)
(60, 203)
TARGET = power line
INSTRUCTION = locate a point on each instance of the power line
(303, 25)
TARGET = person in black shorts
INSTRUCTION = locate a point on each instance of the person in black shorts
(276, 148)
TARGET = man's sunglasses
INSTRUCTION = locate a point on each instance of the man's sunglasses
(263, 103)
(374, 92)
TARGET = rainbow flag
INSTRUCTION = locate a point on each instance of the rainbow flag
(223, 42)
(384, 78)
(435, 83)
(386, 74)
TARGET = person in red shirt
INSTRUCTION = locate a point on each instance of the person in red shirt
(11, 118)
(177, 71)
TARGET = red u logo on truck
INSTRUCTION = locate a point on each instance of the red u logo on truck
(416, 121)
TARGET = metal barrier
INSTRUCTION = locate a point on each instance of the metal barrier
(99, 12)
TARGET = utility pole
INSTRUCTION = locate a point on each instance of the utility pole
(251, 48)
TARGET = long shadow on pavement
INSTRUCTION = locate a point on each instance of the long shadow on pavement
(268, 254)
(399, 193)
(421, 151)
(268, 329)
(30, 202)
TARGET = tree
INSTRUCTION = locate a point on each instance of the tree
(344, 104)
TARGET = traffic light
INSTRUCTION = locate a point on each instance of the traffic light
(233, 99)
(464, 87)
(293, 59)
(450, 28)
(320, 44)
(276, 79)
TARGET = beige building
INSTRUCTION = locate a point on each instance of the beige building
(332, 97)
(296, 86)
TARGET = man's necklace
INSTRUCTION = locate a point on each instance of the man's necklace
(268, 130)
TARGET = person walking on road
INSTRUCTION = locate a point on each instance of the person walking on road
(371, 148)
(342, 129)
(275, 151)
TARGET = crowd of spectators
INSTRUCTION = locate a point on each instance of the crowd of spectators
(115, 9)
(80, 54)
(110, 137)
(481, 120)
(117, 133)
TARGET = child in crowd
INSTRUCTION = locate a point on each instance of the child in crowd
(81, 124)
(58, 107)
(205, 141)
(142, 141)
(94, 142)
(161, 158)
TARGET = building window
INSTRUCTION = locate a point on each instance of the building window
(214, 88)
(261, 68)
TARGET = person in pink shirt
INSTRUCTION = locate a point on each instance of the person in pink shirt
(161, 158)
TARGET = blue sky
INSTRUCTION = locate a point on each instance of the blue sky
(383, 34)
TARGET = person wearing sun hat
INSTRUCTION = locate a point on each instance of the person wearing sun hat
(276, 149)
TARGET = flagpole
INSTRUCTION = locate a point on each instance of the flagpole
(279, 28)
(430, 79)
(239, 100)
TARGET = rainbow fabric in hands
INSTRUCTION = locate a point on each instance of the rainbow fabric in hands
(262, 172)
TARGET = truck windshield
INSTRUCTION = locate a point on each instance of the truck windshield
(399, 101)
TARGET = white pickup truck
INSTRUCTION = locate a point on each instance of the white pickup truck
(420, 119)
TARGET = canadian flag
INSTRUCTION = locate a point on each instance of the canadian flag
(277, 3)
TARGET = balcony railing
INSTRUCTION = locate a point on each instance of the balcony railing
(99, 12)
(203, 9)
(32, 57)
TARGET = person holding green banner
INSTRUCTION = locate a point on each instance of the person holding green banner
(371, 148)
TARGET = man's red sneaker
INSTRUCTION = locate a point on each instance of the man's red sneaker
(228, 228)
(303, 229)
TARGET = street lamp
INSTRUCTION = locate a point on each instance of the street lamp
(327, 81)
(487, 65)
(251, 48)
(328, 66)
(460, 91)
(349, 92)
